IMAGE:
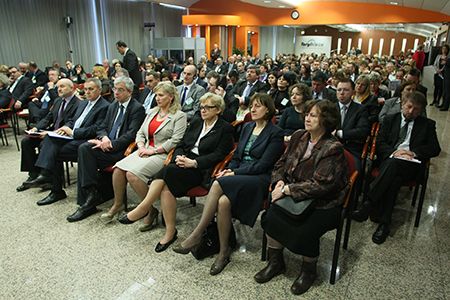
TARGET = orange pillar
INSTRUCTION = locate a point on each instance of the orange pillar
(207, 39)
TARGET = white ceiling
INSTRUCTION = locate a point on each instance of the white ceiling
(423, 29)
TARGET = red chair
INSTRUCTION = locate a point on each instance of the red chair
(5, 114)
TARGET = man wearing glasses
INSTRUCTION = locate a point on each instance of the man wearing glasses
(118, 130)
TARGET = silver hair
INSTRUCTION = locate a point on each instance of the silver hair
(125, 80)
(96, 81)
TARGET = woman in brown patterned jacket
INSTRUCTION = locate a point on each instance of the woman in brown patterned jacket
(313, 166)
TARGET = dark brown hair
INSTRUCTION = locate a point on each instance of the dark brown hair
(328, 113)
(266, 101)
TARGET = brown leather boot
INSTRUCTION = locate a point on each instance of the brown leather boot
(306, 278)
(274, 267)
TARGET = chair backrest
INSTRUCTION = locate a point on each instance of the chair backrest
(351, 184)
(351, 163)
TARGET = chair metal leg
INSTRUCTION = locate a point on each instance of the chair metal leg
(264, 247)
(337, 246)
(416, 191)
(193, 201)
(347, 232)
(66, 165)
(420, 204)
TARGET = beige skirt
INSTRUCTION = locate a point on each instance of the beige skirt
(143, 167)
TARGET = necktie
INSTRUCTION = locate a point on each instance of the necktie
(316, 96)
(247, 90)
(148, 100)
(45, 99)
(402, 134)
(343, 113)
(81, 118)
(59, 119)
(183, 97)
(113, 133)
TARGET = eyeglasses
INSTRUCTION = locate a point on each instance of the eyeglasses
(206, 107)
(120, 90)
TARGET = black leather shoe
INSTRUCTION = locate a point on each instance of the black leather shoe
(362, 214)
(162, 247)
(380, 235)
(81, 214)
(306, 278)
(52, 198)
(41, 179)
(21, 188)
(275, 266)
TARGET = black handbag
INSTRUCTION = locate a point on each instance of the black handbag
(295, 210)
(210, 242)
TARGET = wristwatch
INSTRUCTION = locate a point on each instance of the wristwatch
(283, 189)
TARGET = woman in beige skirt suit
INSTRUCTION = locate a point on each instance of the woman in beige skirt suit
(161, 131)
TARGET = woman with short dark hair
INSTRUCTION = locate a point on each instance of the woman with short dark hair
(312, 167)
(240, 190)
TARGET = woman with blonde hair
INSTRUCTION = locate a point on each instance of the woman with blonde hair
(161, 131)
(100, 73)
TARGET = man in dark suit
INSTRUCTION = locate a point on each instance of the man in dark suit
(38, 78)
(147, 97)
(354, 126)
(414, 76)
(123, 119)
(215, 52)
(231, 64)
(21, 88)
(80, 128)
(62, 111)
(246, 89)
(130, 63)
(190, 93)
(405, 142)
(39, 106)
(319, 88)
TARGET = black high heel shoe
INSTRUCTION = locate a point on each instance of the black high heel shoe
(124, 219)
(182, 250)
(162, 247)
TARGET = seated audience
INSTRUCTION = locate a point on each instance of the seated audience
(79, 75)
(281, 96)
(160, 132)
(100, 73)
(319, 88)
(404, 139)
(61, 112)
(21, 88)
(292, 118)
(312, 167)
(206, 142)
(393, 105)
(148, 95)
(114, 135)
(239, 191)
(38, 77)
(190, 93)
(5, 95)
(81, 127)
(39, 106)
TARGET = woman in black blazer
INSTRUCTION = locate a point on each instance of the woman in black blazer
(240, 190)
(205, 143)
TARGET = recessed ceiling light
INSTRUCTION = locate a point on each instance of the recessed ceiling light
(393, 3)
(267, 1)
(282, 6)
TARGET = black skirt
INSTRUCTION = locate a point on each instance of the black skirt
(180, 180)
(247, 194)
(301, 237)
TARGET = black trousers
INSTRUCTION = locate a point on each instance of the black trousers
(89, 162)
(54, 152)
(29, 154)
(384, 189)
(35, 112)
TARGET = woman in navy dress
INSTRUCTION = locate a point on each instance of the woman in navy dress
(240, 190)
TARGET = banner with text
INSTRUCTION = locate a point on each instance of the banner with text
(313, 44)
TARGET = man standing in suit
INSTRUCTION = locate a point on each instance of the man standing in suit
(80, 128)
(39, 106)
(62, 111)
(354, 126)
(21, 87)
(123, 119)
(405, 142)
(319, 88)
(131, 64)
(147, 97)
(215, 52)
(190, 93)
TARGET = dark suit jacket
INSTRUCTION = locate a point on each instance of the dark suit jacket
(355, 129)
(213, 147)
(130, 62)
(144, 95)
(89, 126)
(258, 87)
(423, 142)
(329, 94)
(419, 88)
(132, 120)
(39, 78)
(201, 83)
(49, 120)
(5, 97)
(52, 93)
(266, 150)
(23, 90)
